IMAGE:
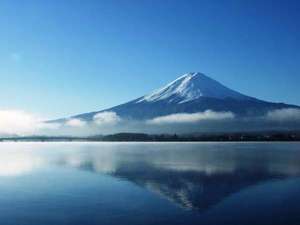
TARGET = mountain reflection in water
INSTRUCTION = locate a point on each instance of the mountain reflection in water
(193, 176)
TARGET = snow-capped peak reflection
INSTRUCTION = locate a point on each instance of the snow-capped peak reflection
(195, 176)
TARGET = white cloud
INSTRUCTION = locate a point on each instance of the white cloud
(21, 123)
(75, 123)
(191, 117)
(43, 125)
(106, 118)
(287, 114)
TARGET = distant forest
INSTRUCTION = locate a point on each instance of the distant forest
(195, 137)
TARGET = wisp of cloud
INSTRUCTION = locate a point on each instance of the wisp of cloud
(106, 118)
(191, 117)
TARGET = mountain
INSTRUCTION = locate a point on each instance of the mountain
(190, 87)
(191, 93)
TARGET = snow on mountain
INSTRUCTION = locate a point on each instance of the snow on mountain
(191, 93)
(192, 86)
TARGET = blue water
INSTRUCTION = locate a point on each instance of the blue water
(149, 183)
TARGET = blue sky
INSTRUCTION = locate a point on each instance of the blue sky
(59, 58)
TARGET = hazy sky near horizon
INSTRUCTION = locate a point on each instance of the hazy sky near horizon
(64, 57)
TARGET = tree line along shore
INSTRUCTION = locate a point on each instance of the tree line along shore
(143, 137)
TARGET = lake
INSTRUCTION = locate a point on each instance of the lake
(149, 183)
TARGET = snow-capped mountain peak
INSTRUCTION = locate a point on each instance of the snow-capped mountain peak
(191, 86)
(189, 94)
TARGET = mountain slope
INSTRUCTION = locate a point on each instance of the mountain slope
(191, 93)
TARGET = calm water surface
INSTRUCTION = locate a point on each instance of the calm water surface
(149, 183)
